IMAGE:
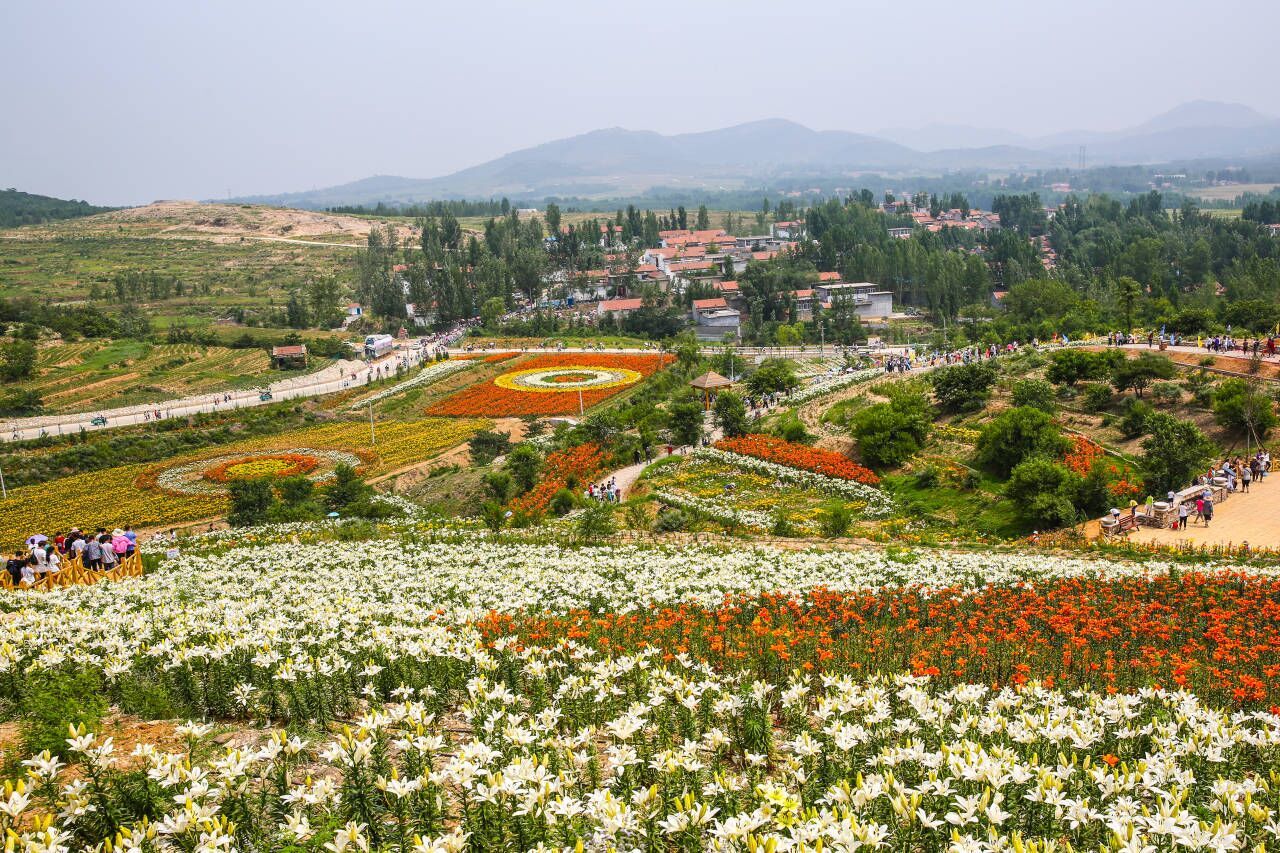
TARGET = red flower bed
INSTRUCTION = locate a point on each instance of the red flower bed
(581, 463)
(793, 455)
(488, 399)
(1217, 635)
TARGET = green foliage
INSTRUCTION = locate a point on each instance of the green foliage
(19, 208)
(1138, 373)
(1044, 491)
(888, 434)
(671, 520)
(963, 387)
(1201, 385)
(250, 502)
(789, 427)
(487, 445)
(17, 360)
(296, 490)
(773, 376)
(1166, 393)
(523, 464)
(500, 485)
(595, 523)
(1036, 393)
(1174, 452)
(686, 422)
(835, 520)
(562, 502)
(782, 525)
(730, 414)
(1069, 366)
(1018, 434)
(346, 490)
(1136, 418)
(1097, 396)
(52, 700)
(1244, 409)
(20, 402)
(493, 515)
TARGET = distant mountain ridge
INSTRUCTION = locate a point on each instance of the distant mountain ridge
(617, 161)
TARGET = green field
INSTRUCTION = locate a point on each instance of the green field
(97, 374)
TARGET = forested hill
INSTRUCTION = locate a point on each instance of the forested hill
(19, 208)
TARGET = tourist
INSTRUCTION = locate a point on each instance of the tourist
(120, 544)
(133, 540)
(1200, 508)
(1208, 510)
(1183, 512)
(14, 566)
(1246, 477)
(108, 560)
(93, 553)
(52, 560)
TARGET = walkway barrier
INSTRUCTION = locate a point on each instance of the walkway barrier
(74, 573)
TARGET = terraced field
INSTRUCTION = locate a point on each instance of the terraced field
(80, 376)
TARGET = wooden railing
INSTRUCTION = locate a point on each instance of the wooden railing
(72, 572)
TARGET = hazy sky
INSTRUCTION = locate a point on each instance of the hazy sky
(126, 102)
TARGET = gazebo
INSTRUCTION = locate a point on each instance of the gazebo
(710, 384)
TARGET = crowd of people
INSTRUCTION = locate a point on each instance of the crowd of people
(608, 491)
(100, 551)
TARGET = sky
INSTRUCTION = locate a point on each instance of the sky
(128, 102)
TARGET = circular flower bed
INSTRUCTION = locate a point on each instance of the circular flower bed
(254, 467)
(211, 475)
(568, 378)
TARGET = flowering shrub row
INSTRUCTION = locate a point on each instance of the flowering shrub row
(831, 384)
(794, 455)
(426, 376)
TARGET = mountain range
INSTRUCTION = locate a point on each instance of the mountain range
(618, 162)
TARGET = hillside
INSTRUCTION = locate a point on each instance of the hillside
(19, 208)
(217, 223)
(616, 162)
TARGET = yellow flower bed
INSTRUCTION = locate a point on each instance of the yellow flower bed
(110, 498)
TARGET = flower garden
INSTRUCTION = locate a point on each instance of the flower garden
(553, 384)
(193, 487)
(441, 690)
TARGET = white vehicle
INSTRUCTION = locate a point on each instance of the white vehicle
(376, 346)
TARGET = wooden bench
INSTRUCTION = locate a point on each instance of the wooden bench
(1122, 526)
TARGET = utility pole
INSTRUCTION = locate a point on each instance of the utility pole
(582, 412)
(822, 338)
(373, 438)
(3, 491)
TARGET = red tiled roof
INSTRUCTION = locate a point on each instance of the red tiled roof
(621, 304)
(807, 293)
(289, 350)
(727, 286)
(828, 276)
(712, 302)
(763, 256)
(690, 266)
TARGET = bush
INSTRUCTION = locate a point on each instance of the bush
(499, 485)
(1097, 396)
(1018, 434)
(1173, 453)
(1136, 416)
(1166, 393)
(251, 501)
(346, 489)
(671, 521)
(1044, 492)
(55, 699)
(782, 525)
(789, 427)
(835, 520)
(1243, 409)
(1069, 366)
(963, 386)
(1138, 373)
(487, 445)
(1035, 393)
(887, 436)
(562, 502)
(730, 414)
(926, 477)
(523, 464)
(595, 523)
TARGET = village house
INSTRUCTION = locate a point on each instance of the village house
(866, 298)
(619, 308)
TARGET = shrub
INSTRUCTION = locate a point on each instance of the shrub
(346, 489)
(888, 436)
(499, 485)
(927, 477)
(1136, 416)
(790, 428)
(562, 502)
(1097, 396)
(1017, 434)
(1044, 492)
(595, 523)
(1243, 409)
(487, 445)
(835, 520)
(250, 502)
(523, 464)
(730, 414)
(1166, 393)
(1069, 366)
(1138, 373)
(782, 525)
(671, 521)
(1035, 393)
(963, 386)
(1173, 453)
